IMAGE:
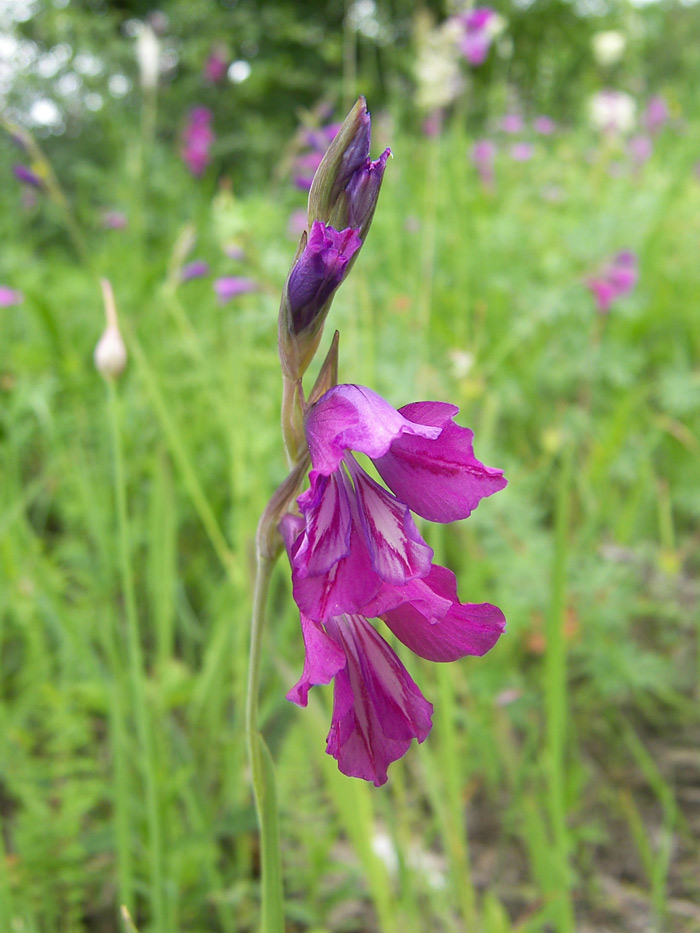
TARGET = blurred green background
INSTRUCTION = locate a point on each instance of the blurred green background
(558, 790)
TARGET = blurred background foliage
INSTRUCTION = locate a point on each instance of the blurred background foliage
(293, 54)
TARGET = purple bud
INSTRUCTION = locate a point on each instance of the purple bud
(347, 154)
(194, 270)
(318, 272)
(26, 175)
(363, 190)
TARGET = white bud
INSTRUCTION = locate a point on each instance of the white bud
(148, 56)
(608, 46)
(110, 352)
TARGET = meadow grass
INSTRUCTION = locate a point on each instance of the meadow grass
(556, 789)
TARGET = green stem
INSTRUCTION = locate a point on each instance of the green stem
(263, 776)
(136, 673)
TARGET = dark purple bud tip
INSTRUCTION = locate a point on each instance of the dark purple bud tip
(363, 190)
(319, 271)
(346, 155)
(27, 176)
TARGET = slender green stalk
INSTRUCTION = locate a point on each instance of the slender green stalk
(136, 673)
(262, 771)
(556, 702)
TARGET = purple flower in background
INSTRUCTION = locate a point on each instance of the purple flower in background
(114, 220)
(215, 67)
(640, 149)
(296, 223)
(432, 125)
(617, 278)
(231, 286)
(27, 176)
(478, 32)
(10, 296)
(197, 139)
(234, 251)
(197, 269)
(305, 166)
(512, 123)
(356, 554)
(522, 151)
(545, 126)
(483, 155)
(656, 114)
(319, 271)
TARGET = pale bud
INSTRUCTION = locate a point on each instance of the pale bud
(148, 56)
(608, 47)
(110, 352)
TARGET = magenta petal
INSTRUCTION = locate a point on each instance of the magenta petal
(377, 708)
(397, 551)
(349, 586)
(327, 533)
(441, 480)
(350, 417)
(466, 629)
(323, 660)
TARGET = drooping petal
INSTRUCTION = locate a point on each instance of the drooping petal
(397, 551)
(441, 479)
(466, 629)
(377, 708)
(326, 537)
(351, 417)
(324, 658)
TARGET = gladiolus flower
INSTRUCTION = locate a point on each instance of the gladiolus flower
(357, 554)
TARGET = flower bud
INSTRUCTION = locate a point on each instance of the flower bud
(148, 56)
(323, 262)
(110, 352)
(362, 192)
(346, 154)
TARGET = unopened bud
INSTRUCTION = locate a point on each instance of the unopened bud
(347, 153)
(110, 352)
(148, 56)
(321, 267)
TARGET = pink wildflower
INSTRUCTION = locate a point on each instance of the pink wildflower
(356, 554)
(231, 286)
(10, 296)
(656, 114)
(478, 25)
(618, 278)
(197, 139)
